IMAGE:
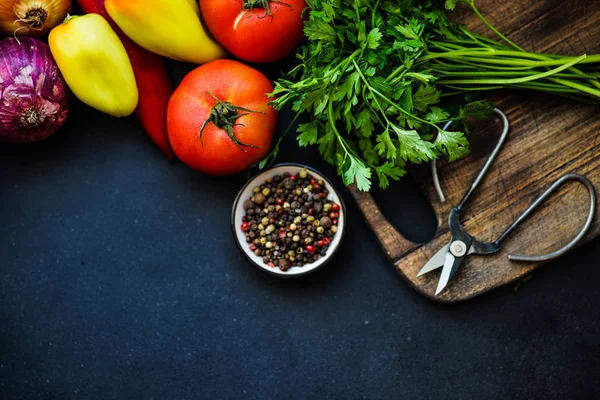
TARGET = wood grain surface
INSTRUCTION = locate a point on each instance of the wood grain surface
(549, 136)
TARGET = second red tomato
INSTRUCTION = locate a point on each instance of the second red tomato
(258, 31)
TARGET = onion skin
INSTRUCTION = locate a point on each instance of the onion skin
(32, 18)
(34, 97)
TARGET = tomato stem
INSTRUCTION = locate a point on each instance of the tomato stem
(250, 4)
(224, 116)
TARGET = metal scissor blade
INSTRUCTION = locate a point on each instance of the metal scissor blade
(435, 262)
(446, 271)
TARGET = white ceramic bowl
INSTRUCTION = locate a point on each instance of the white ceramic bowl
(238, 212)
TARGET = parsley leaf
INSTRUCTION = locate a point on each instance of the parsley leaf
(425, 96)
(389, 170)
(454, 144)
(412, 147)
(385, 147)
(373, 38)
(357, 171)
(478, 109)
(310, 133)
(436, 115)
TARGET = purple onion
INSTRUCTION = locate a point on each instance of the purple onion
(34, 97)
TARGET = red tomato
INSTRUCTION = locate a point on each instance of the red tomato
(255, 30)
(198, 123)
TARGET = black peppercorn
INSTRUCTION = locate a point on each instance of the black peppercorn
(325, 222)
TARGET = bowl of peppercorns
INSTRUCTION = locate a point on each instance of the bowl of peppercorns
(288, 220)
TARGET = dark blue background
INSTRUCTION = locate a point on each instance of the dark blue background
(120, 279)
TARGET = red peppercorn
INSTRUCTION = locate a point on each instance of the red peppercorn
(280, 212)
(326, 241)
(316, 188)
(313, 182)
(309, 248)
(334, 215)
(270, 264)
(310, 211)
(320, 243)
(245, 226)
(335, 207)
(334, 221)
(252, 247)
(293, 177)
(323, 195)
(279, 201)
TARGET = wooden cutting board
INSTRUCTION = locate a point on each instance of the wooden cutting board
(549, 137)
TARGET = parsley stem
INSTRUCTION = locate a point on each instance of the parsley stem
(578, 86)
(491, 27)
(518, 80)
(446, 73)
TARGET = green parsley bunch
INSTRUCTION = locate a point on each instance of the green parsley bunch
(378, 80)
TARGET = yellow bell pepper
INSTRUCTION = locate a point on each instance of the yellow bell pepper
(169, 28)
(95, 64)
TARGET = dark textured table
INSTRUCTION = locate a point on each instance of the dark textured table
(120, 279)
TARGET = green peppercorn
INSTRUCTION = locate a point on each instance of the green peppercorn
(308, 240)
(263, 240)
(307, 189)
(327, 207)
(293, 227)
(286, 205)
(268, 245)
(316, 223)
(266, 191)
(303, 173)
(297, 220)
(296, 238)
(334, 228)
(298, 192)
(256, 190)
(320, 229)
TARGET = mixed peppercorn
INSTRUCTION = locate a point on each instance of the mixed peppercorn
(289, 221)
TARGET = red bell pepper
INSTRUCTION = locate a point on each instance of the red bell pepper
(153, 82)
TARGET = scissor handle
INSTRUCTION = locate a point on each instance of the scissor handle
(489, 161)
(569, 246)
(486, 166)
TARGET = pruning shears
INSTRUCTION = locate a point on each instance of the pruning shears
(462, 245)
